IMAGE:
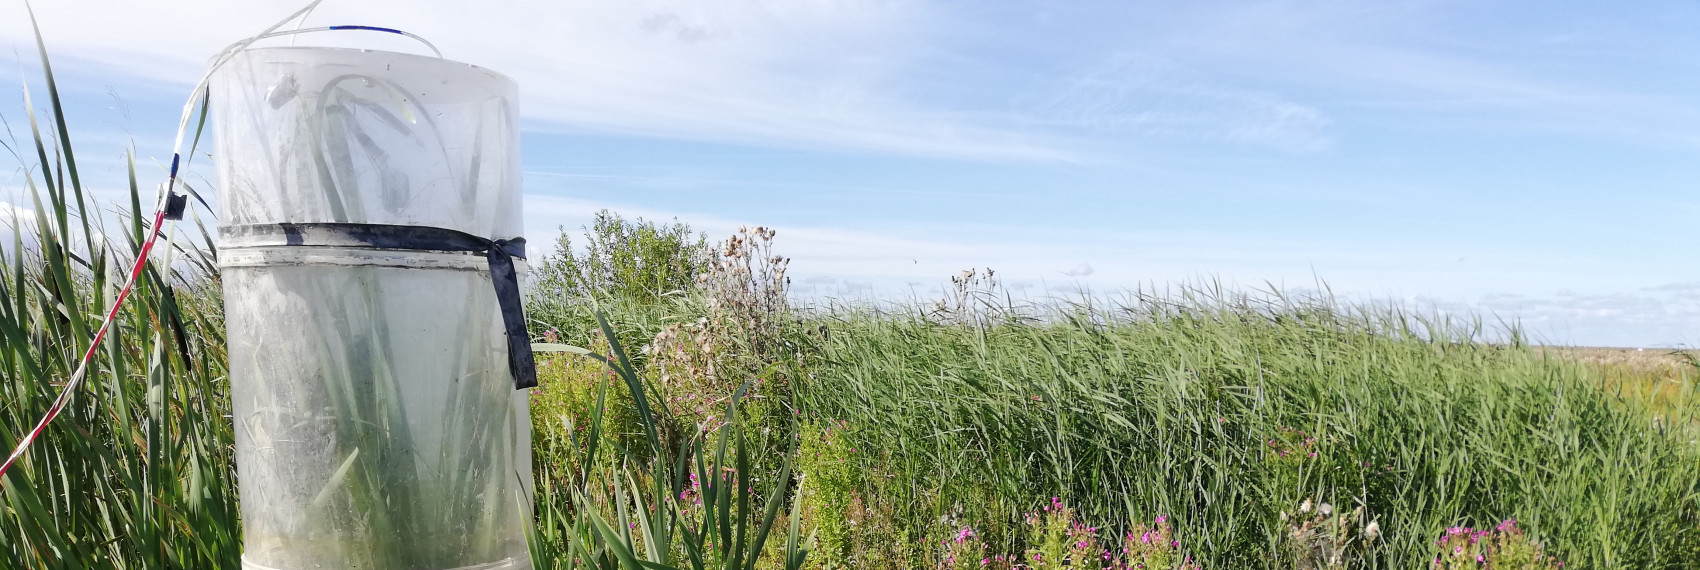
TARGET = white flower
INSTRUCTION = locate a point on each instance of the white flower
(1305, 506)
(1372, 530)
(1325, 509)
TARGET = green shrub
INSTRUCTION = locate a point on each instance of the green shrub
(1152, 547)
(726, 326)
(692, 503)
(563, 408)
(638, 260)
(832, 480)
(964, 551)
(1056, 539)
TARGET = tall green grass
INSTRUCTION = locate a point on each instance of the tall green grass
(136, 472)
(697, 503)
(1169, 406)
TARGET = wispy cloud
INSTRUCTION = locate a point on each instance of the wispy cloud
(822, 74)
(1151, 95)
(1426, 63)
(1650, 317)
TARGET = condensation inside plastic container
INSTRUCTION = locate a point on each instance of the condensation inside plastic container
(377, 426)
(340, 135)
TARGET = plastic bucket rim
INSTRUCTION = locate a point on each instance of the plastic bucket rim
(423, 58)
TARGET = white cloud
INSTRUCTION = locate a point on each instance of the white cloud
(15, 222)
(820, 73)
(10, 214)
(1653, 317)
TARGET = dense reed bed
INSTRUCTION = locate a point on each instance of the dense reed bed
(1225, 412)
(137, 471)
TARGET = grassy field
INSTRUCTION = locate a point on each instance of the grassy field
(1657, 377)
(1223, 413)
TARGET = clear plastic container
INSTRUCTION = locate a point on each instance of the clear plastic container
(377, 426)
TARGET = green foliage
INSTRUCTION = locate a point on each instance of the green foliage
(695, 505)
(720, 341)
(1056, 540)
(1218, 408)
(1169, 405)
(1152, 547)
(853, 527)
(637, 260)
(825, 461)
(137, 471)
(965, 551)
(1505, 547)
(573, 392)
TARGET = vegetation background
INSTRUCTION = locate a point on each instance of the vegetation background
(1220, 412)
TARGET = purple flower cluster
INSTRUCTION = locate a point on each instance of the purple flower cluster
(1505, 546)
(693, 494)
(1058, 540)
(1292, 442)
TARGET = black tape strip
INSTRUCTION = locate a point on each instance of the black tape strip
(502, 274)
(500, 254)
(175, 204)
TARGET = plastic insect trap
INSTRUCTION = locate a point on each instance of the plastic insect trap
(369, 252)
(370, 256)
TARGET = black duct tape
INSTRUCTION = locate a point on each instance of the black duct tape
(500, 253)
(175, 204)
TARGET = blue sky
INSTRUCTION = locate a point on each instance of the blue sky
(1535, 161)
